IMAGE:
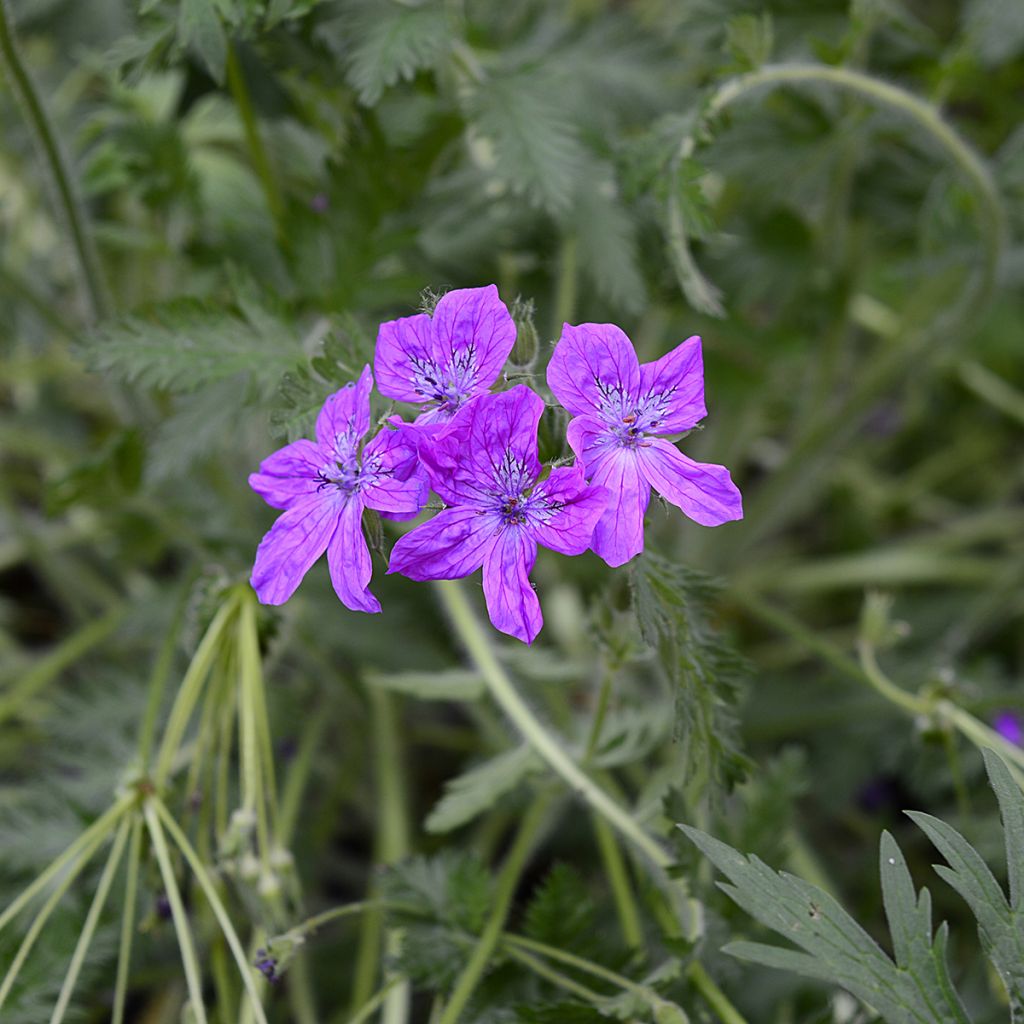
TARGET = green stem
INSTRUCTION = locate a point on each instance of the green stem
(131, 890)
(92, 918)
(508, 879)
(565, 291)
(46, 140)
(548, 748)
(370, 1007)
(258, 152)
(85, 855)
(89, 839)
(186, 945)
(297, 778)
(206, 884)
(618, 879)
(885, 686)
(563, 981)
(67, 652)
(715, 997)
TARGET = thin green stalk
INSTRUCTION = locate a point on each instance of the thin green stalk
(370, 1007)
(250, 642)
(202, 876)
(131, 891)
(189, 691)
(258, 152)
(885, 686)
(550, 750)
(46, 140)
(563, 981)
(490, 937)
(297, 778)
(618, 879)
(43, 915)
(92, 918)
(189, 960)
(715, 997)
(92, 836)
(565, 290)
(66, 653)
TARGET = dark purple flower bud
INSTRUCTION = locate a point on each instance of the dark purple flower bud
(163, 907)
(1008, 725)
(319, 203)
(266, 965)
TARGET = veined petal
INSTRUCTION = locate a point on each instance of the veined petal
(672, 389)
(451, 545)
(348, 558)
(289, 475)
(704, 492)
(293, 544)
(594, 371)
(568, 511)
(619, 534)
(490, 447)
(473, 335)
(404, 353)
(399, 488)
(590, 440)
(511, 601)
(345, 417)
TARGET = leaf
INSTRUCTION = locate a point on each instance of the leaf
(704, 670)
(187, 344)
(383, 42)
(835, 948)
(477, 790)
(199, 28)
(452, 888)
(536, 149)
(561, 912)
(446, 684)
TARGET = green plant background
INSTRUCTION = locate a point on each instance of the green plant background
(206, 208)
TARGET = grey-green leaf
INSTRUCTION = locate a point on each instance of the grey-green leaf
(448, 684)
(199, 28)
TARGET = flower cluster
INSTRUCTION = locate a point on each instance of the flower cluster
(477, 450)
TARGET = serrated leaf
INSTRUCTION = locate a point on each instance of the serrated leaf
(199, 28)
(383, 42)
(836, 948)
(477, 790)
(187, 344)
(536, 149)
(452, 888)
(561, 912)
(1011, 811)
(445, 684)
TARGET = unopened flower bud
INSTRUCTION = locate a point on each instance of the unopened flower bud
(524, 352)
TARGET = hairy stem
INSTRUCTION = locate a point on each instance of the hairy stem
(46, 139)
(131, 891)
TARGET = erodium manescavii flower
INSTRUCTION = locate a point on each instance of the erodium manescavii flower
(620, 410)
(323, 486)
(485, 468)
(439, 362)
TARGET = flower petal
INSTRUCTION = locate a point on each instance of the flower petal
(293, 544)
(672, 389)
(489, 448)
(345, 417)
(348, 558)
(289, 475)
(404, 353)
(449, 546)
(704, 492)
(473, 336)
(594, 371)
(619, 534)
(590, 441)
(400, 487)
(572, 510)
(511, 601)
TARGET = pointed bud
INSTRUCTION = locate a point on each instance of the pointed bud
(524, 352)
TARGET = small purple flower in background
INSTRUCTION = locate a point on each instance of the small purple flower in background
(1008, 725)
(323, 487)
(441, 362)
(485, 468)
(619, 410)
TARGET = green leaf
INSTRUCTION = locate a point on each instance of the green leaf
(750, 39)
(199, 28)
(445, 684)
(835, 948)
(477, 790)
(383, 42)
(186, 344)
(561, 912)
(525, 138)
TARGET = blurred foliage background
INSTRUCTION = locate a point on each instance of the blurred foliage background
(249, 189)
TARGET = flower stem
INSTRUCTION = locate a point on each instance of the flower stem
(131, 890)
(563, 981)
(715, 997)
(618, 879)
(45, 138)
(550, 750)
(508, 879)
(91, 920)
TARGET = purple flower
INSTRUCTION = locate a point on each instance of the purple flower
(440, 362)
(485, 468)
(619, 410)
(1008, 725)
(323, 487)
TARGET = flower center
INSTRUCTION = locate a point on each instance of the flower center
(348, 476)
